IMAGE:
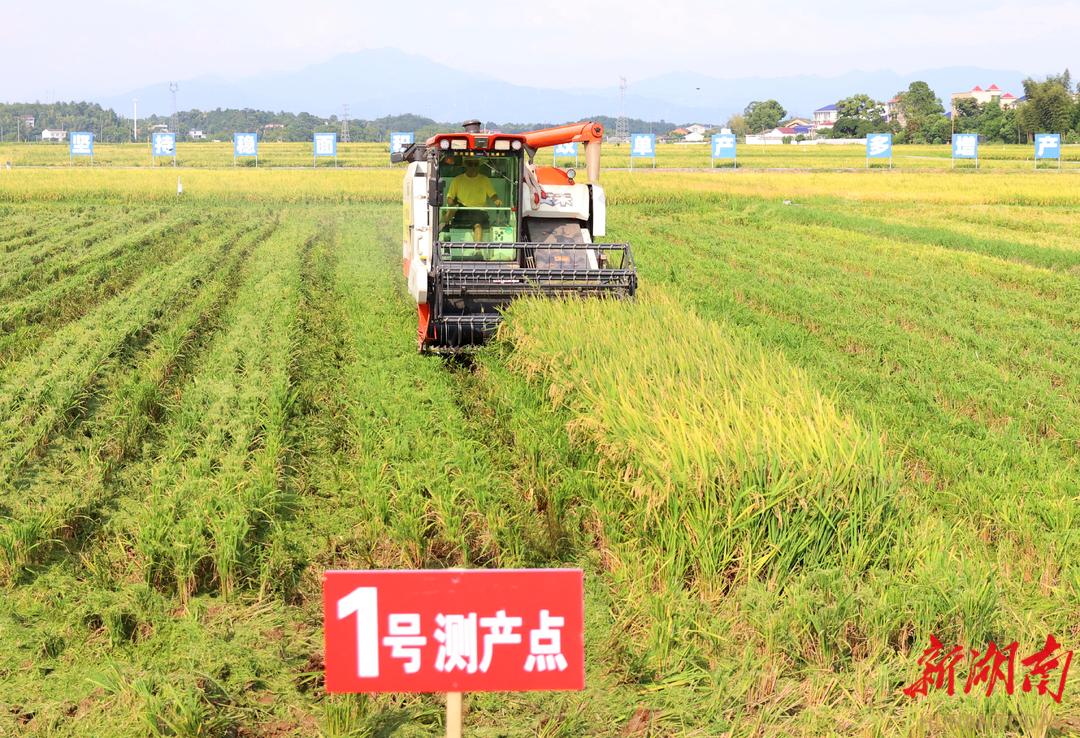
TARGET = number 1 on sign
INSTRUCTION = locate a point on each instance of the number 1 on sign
(364, 603)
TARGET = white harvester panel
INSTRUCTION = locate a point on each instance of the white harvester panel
(563, 201)
(599, 210)
(417, 237)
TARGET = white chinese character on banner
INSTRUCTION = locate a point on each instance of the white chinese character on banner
(643, 145)
(545, 645)
(456, 635)
(500, 631)
(399, 141)
(405, 640)
(1047, 142)
(878, 145)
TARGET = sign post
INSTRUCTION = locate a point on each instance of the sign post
(81, 143)
(878, 146)
(965, 146)
(454, 631)
(399, 140)
(246, 145)
(163, 144)
(565, 151)
(723, 147)
(1048, 146)
(642, 146)
(324, 144)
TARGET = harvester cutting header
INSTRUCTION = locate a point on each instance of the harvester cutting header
(484, 225)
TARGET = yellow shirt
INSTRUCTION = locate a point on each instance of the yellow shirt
(471, 192)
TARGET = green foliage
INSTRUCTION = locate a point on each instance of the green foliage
(861, 107)
(923, 115)
(738, 125)
(763, 115)
(66, 116)
(1050, 106)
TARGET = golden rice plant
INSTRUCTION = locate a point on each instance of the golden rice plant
(736, 465)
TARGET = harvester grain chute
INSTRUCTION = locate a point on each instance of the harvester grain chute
(484, 225)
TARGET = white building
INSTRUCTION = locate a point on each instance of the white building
(50, 134)
(195, 133)
(993, 93)
(825, 117)
(775, 136)
(694, 137)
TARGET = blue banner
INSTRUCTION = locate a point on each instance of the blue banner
(643, 145)
(163, 144)
(399, 140)
(245, 144)
(81, 143)
(566, 149)
(325, 144)
(965, 146)
(879, 146)
(1047, 145)
(723, 146)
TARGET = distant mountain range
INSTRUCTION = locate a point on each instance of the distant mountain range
(381, 82)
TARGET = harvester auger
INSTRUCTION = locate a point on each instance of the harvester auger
(483, 225)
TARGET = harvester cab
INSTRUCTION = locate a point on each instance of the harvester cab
(483, 225)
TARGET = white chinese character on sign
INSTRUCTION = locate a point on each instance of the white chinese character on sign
(324, 145)
(642, 145)
(545, 645)
(405, 640)
(965, 145)
(878, 145)
(245, 145)
(500, 631)
(1047, 142)
(456, 635)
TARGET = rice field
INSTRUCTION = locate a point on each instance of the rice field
(668, 156)
(841, 417)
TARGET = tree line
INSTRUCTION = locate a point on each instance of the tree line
(1049, 106)
(220, 124)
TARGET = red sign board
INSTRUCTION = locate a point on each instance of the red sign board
(454, 630)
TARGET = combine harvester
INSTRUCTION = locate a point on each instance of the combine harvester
(483, 225)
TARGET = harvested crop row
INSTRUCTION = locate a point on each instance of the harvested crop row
(71, 247)
(43, 389)
(736, 466)
(60, 494)
(217, 487)
(84, 251)
(29, 320)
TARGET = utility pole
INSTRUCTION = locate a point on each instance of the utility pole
(135, 120)
(622, 129)
(173, 87)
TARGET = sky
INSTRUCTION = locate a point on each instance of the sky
(111, 46)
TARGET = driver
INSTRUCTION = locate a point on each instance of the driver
(472, 190)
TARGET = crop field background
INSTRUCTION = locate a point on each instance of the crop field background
(824, 156)
(842, 416)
